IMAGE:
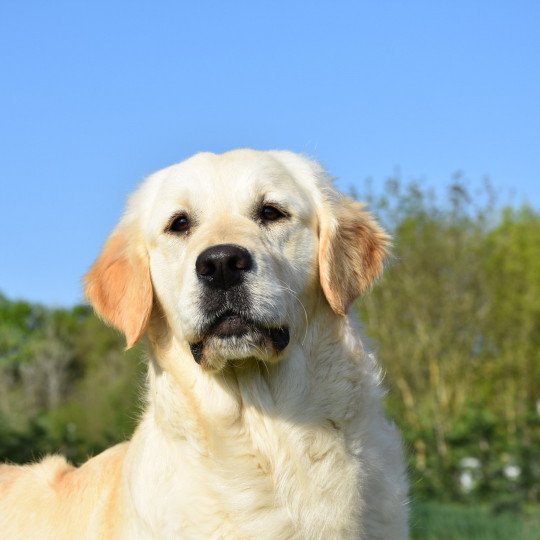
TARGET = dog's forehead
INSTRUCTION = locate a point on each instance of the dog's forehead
(229, 182)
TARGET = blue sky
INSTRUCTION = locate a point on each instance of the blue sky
(96, 95)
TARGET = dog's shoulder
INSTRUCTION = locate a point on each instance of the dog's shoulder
(54, 495)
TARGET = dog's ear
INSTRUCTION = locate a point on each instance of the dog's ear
(352, 248)
(119, 286)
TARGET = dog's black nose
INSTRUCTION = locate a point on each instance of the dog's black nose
(223, 266)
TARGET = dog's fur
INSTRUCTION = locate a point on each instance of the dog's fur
(244, 436)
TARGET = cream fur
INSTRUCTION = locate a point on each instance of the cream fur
(250, 444)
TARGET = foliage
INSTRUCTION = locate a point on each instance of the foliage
(65, 383)
(456, 322)
(436, 521)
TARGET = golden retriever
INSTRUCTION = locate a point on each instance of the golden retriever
(264, 413)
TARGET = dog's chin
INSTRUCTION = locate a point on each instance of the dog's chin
(232, 338)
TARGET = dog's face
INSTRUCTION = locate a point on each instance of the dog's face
(232, 245)
(235, 249)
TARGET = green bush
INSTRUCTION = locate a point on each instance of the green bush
(456, 323)
(436, 521)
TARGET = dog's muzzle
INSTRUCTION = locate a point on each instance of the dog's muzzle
(222, 270)
(231, 325)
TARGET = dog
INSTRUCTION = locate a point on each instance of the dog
(264, 414)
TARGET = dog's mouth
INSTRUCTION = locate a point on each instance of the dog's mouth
(230, 324)
(230, 329)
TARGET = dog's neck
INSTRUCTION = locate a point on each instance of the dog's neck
(183, 395)
(274, 427)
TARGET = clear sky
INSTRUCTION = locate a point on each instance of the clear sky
(96, 95)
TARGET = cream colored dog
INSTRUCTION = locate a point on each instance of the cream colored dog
(264, 414)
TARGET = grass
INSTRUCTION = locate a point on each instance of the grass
(438, 521)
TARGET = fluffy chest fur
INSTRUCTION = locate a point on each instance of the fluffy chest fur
(260, 451)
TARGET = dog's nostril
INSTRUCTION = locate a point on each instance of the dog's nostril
(205, 267)
(240, 263)
(224, 265)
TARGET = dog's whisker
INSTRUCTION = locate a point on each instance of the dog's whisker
(283, 286)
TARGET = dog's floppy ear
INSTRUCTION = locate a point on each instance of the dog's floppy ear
(119, 286)
(352, 249)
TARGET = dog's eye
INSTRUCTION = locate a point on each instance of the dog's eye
(271, 213)
(179, 224)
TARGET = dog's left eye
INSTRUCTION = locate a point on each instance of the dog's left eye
(179, 224)
(271, 213)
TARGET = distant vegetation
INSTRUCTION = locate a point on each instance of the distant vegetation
(450, 521)
(66, 385)
(455, 322)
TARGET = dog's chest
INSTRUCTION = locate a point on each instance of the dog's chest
(258, 456)
(289, 483)
(275, 474)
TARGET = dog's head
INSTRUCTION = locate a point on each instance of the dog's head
(235, 249)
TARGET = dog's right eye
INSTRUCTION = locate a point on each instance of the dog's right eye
(178, 224)
(270, 212)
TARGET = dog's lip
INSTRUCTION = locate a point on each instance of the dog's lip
(231, 324)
